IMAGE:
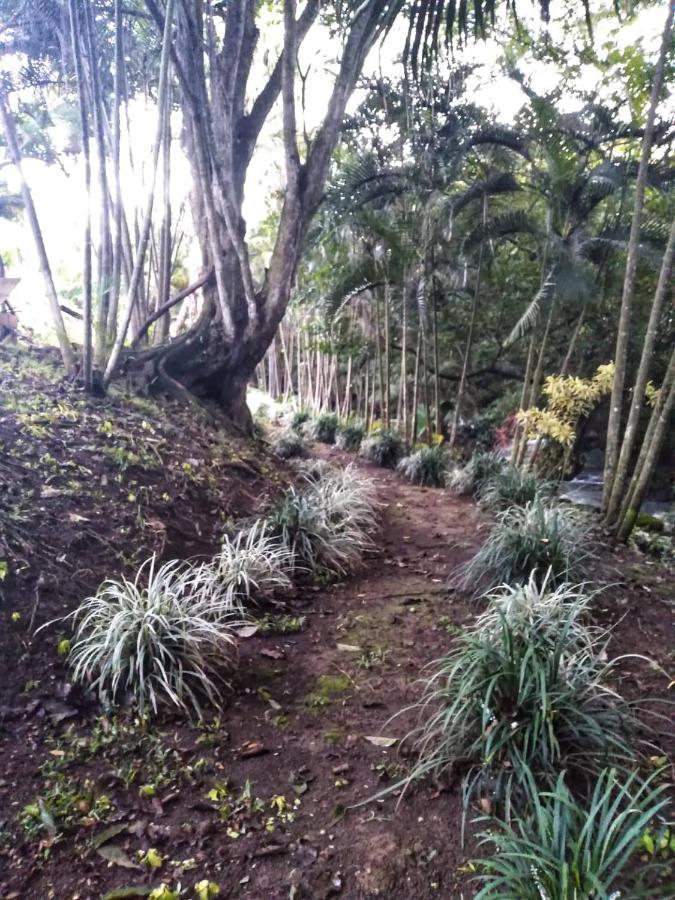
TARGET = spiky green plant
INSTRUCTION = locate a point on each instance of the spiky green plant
(536, 537)
(251, 566)
(468, 478)
(166, 637)
(528, 685)
(564, 849)
(383, 447)
(350, 435)
(298, 419)
(427, 466)
(325, 523)
(289, 445)
(324, 428)
(511, 486)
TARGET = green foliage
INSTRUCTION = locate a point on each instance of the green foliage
(427, 466)
(251, 567)
(167, 637)
(527, 686)
(564, 849)
(299, 418)
(482, 466)
(324, 525)
(384, 448)
(532, 538)
(350, 435)
(324, 428)
(511, 486)
(289, 445)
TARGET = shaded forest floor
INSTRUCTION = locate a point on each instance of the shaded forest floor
(261, 798)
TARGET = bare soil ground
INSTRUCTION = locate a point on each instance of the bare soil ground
(263, 799)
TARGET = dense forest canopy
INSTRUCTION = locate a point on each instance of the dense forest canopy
(435, 257)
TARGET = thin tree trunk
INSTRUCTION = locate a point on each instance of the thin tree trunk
(118, 246)
(43, 260)
(624, 328)
(165, 254)
(538, 377)
(403, 390)
(520, 432)
(387, 357)
(649, 452)
(378, 351)
(162, 102)
(347, 406)
(466, 362)
(416, 378)
(637, 402)
(86, 154)
(105, 251)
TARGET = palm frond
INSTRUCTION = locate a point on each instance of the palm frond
(501, 225)
(501, 183)
(533, 312)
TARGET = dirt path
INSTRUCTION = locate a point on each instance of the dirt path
(356, 664)
(258, 801)
(263, 800)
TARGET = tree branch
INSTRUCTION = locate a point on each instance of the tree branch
(165, 307)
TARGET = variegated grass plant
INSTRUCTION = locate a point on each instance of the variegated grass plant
(252, 566)
(529, 685)
(164, 638)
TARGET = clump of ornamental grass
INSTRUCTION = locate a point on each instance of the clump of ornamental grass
(299, 418)
(165, 638)
(289, 445)
(482, 466)
(427, 466)
(315, 469)
(324, 428)
(564, 849)
(527, 686)
(539, 536)
(325, 523)
(350, 435)
(511, 486)
(385, 448)
(251, 566)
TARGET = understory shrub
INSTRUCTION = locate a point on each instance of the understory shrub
(350, 435)
(383, 447)
(427, 466)
(324, 428)
(563, 849)
(467, 479)
(325, 524)
(527, 686)
(539, 536)
(298, 419)
(167, 637)
(511, 486)
(251, 566)
(289, 445)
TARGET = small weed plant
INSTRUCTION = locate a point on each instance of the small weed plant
(563, 849)
(167, 637)
(511, 486)
(324, 428)
(385, 448)
(427, 466)
(251, 566)
(526, 687)
(289, 445)
(350, 435)
(540, 536)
